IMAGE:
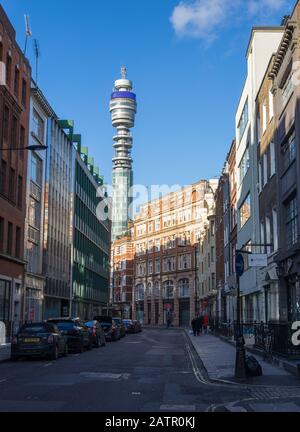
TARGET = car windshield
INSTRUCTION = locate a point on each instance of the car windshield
(36, 329)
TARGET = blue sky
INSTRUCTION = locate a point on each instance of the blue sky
(187, 61)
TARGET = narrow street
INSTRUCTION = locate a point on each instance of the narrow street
(156, 370)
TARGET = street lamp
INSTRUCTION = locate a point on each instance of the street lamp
(29, 148)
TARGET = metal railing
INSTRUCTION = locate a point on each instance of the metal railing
(271, 338)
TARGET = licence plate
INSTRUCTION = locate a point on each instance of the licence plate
(32, 340)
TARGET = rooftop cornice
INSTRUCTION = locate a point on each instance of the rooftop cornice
(285, 43)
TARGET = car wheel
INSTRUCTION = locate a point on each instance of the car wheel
(80, 349)
(104, 342)
(98, 344)
(55, 353)
(66, 351)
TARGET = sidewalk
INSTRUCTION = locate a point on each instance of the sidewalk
(218, 358)
(4, 352)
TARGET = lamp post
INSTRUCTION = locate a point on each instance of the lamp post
(29, 148)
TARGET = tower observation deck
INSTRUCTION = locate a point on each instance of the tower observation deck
(123, 108)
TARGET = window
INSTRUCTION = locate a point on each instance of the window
(289, 151)
(6, 124)
(264, 117)
(8, 69)
(34, 213)
(38, 126)
(150, 267)
(184, 289)
(260, 176)
(243, 120)
(157, 245)
(212, 254)
(16, 81)
(245, 211)
(271, 105)
(24, 92)
(14, 132)
(18, 242)
(9, 238)
(275, 229)
(22, 141)
(168, 289)
(268, 233)
(36, 169)
(1, 51)
(157, 266)
(287, 89)
(262, 236)
(1, 234)
(291, 223)
(3, 177)
(272, 159)
(12, 185)
(265, 176)
(244, 165)
(20, 192)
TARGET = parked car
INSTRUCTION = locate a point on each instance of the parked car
(97, 333)
(110, 327)
(120, 323)
(39, 340)
(78, 335)
(138, 326)
(132, 326)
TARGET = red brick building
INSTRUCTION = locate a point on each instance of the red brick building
(15, 76)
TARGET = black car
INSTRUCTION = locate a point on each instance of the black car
(110, 327)
(120, 323)
(39, 340)
(78, 335)
(132, 326)
(97, 333)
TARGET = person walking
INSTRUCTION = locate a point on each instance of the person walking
(200, 321)
(205, 323)
(194, 326)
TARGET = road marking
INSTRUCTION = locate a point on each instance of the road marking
(136, 393)
(176, 408)
(104, 375)
(48, 364)
(133, 343)
(4, 380)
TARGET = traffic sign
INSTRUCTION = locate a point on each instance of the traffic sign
(240, 265)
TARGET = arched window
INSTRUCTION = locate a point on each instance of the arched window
(156, 289)
(139, 292)
(168, 289)
(184, 288)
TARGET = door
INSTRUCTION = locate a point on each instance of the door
(184, 318)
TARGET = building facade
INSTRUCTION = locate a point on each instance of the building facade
(267, 187)
(166, 255)
(122, 260)
(15, 76)
(35, 196)
(58, 220)
(91, 240)
(263, 43)
(286, 90)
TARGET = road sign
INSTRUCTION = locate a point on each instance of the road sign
(239, 265)
(258, 260)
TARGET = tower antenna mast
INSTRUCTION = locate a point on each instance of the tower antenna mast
(37, 54)
(27, 32)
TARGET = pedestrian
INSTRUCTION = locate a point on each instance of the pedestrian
(200, 324)
(193, 323)
(205, 323)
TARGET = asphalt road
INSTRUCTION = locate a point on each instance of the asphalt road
(154, 371)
